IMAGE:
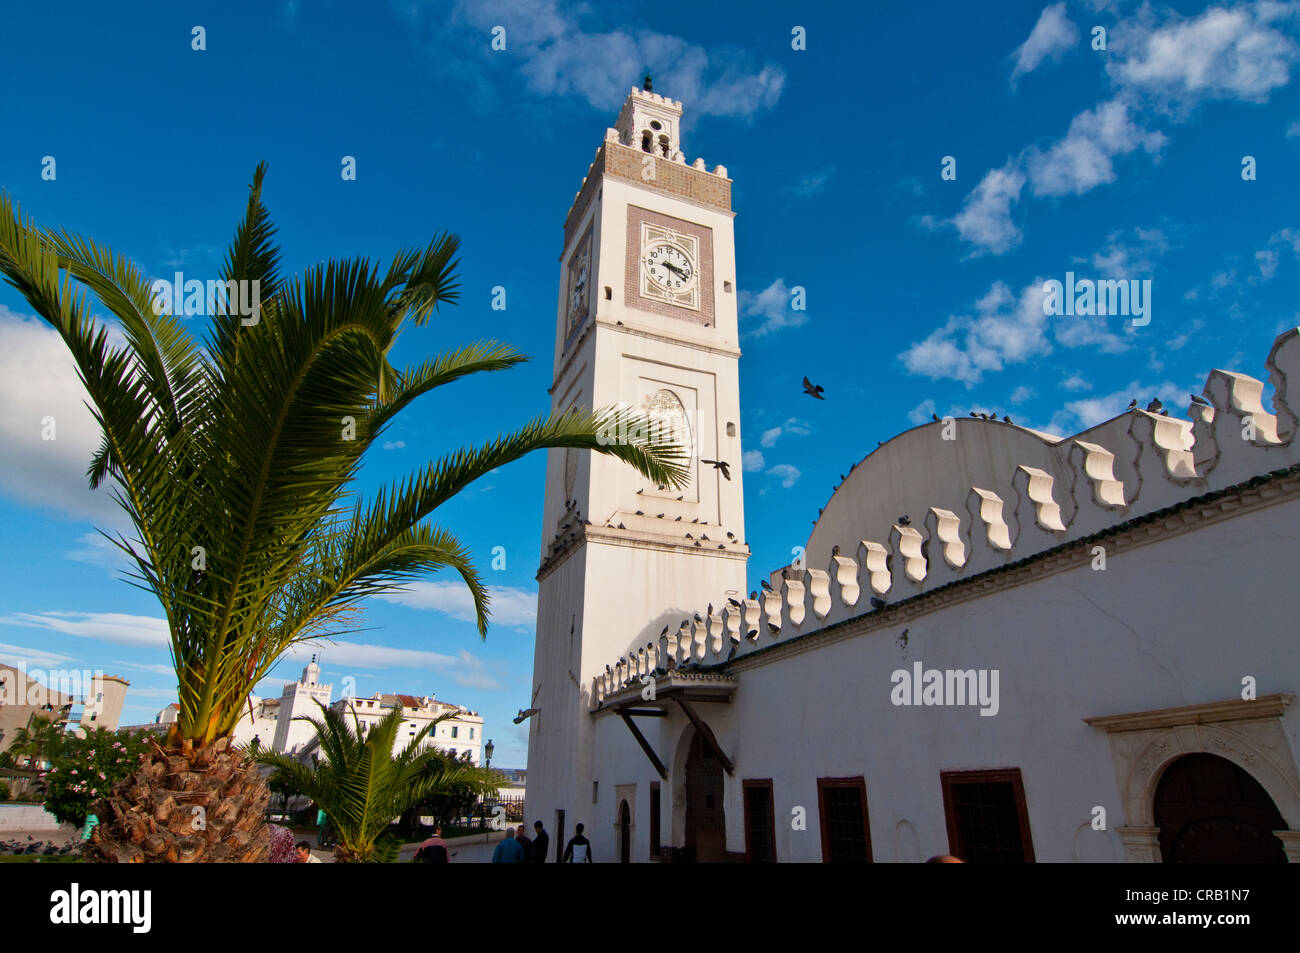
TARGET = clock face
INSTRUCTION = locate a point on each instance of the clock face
(578, 296)
(669, 267)
(579, 280)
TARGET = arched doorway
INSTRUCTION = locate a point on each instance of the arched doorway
(1210, 811)
(624, 833)
(706, 826)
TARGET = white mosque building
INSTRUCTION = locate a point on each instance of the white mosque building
(999, 644)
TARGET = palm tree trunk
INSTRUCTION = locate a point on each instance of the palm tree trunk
(186, 805)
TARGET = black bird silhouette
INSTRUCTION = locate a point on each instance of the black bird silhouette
(696, 520)
(1164, 413)
(753, 594)
(697, 617)
(765, 584)
(904, 520)
(1006, 419)
(721, 465)
(704, 536)
(722, 545)
(734, 603)
(731, 536)
(664, 632)
(1200, 400)
(660, 516)
(689, 536)
(773, 628)
(934, 417)
(1132, 403)
(710, 609)
(678, 520)
(640, 491)
(698, 544)
(835, 550)
(813, 390)
(1154, 406)
(640, 513)
(680, 498)
(841, 477)
(621, 526)
(877, 602)
(974, 414)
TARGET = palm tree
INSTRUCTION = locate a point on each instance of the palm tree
(39, 741)
(362, 785)
(234, 459)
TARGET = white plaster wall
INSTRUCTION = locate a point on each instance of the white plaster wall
(1173, 623)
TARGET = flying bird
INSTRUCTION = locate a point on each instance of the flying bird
(721, 465)
(813, 390)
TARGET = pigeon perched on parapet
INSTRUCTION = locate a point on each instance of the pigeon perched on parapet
(765, 584)
(734, 603)
(664, 632)
(934, 417)
(679, 499)
(709, 610)
(772, 627)
(1132, 404)
(660, 516)
(678, 520)
(974, 414)
(753, 594)
(1154, 406)
(904, 520)
(731, 536)
(1006, 419)
(877, 602)
(1164, 413)
(697, 617)
(640, 491)
(813, 390)
(721, 465)
(1200, 400)
(621, 526)
(640, 513)
(704, 536)
(689, 536)
(752, 634)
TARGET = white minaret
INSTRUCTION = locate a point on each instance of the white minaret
(299, 699)
(647, 316)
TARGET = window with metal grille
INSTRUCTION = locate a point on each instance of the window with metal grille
(987, 818)
(846, 833)
(760, 823)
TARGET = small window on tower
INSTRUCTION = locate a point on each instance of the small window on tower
(646, 141)
(663, 144)
(655, 125)
(726, 286)
(609, 293)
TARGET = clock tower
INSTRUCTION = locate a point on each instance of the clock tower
(647, 318)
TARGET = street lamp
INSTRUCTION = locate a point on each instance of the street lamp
(488, 749)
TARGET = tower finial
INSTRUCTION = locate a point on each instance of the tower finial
(647, 84)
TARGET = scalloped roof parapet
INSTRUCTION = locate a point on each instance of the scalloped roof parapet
(923, 511)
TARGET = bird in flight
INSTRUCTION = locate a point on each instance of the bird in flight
(721, 465)
(813, 390)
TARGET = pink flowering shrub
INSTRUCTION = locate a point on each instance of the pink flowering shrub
(87, 768)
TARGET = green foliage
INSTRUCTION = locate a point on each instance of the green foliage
(234, 456)
(41, 740)
(4, 791)
(87, 768)
(361, 785)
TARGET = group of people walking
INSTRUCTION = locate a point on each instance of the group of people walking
(518, 848)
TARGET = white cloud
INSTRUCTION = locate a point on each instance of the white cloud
(29, 658)
(1021, 394)
(920, 414)
(772, 304)
(985, 216)
(794, 425)
(363, 655)
(814, 183)
(510, 606)
(1052, 35)
(752, 461)
(786, 473)
(115, 627)
(1220, 54)
(144, 667)
(1083, 159)
(1076, 383)
(557, 56)
(1005, 330)
(1087, 412)
(38, 379)
(1293, 130)
(97, 550)
(1124, 257)
(394, 444)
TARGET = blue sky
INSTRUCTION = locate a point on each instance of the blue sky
(923, 294)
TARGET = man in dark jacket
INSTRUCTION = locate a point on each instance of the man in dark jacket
(541, 842)
(522, 837)
(578, 850)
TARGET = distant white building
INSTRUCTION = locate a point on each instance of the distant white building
(272, 720)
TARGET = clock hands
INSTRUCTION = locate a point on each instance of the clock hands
(671, 267)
